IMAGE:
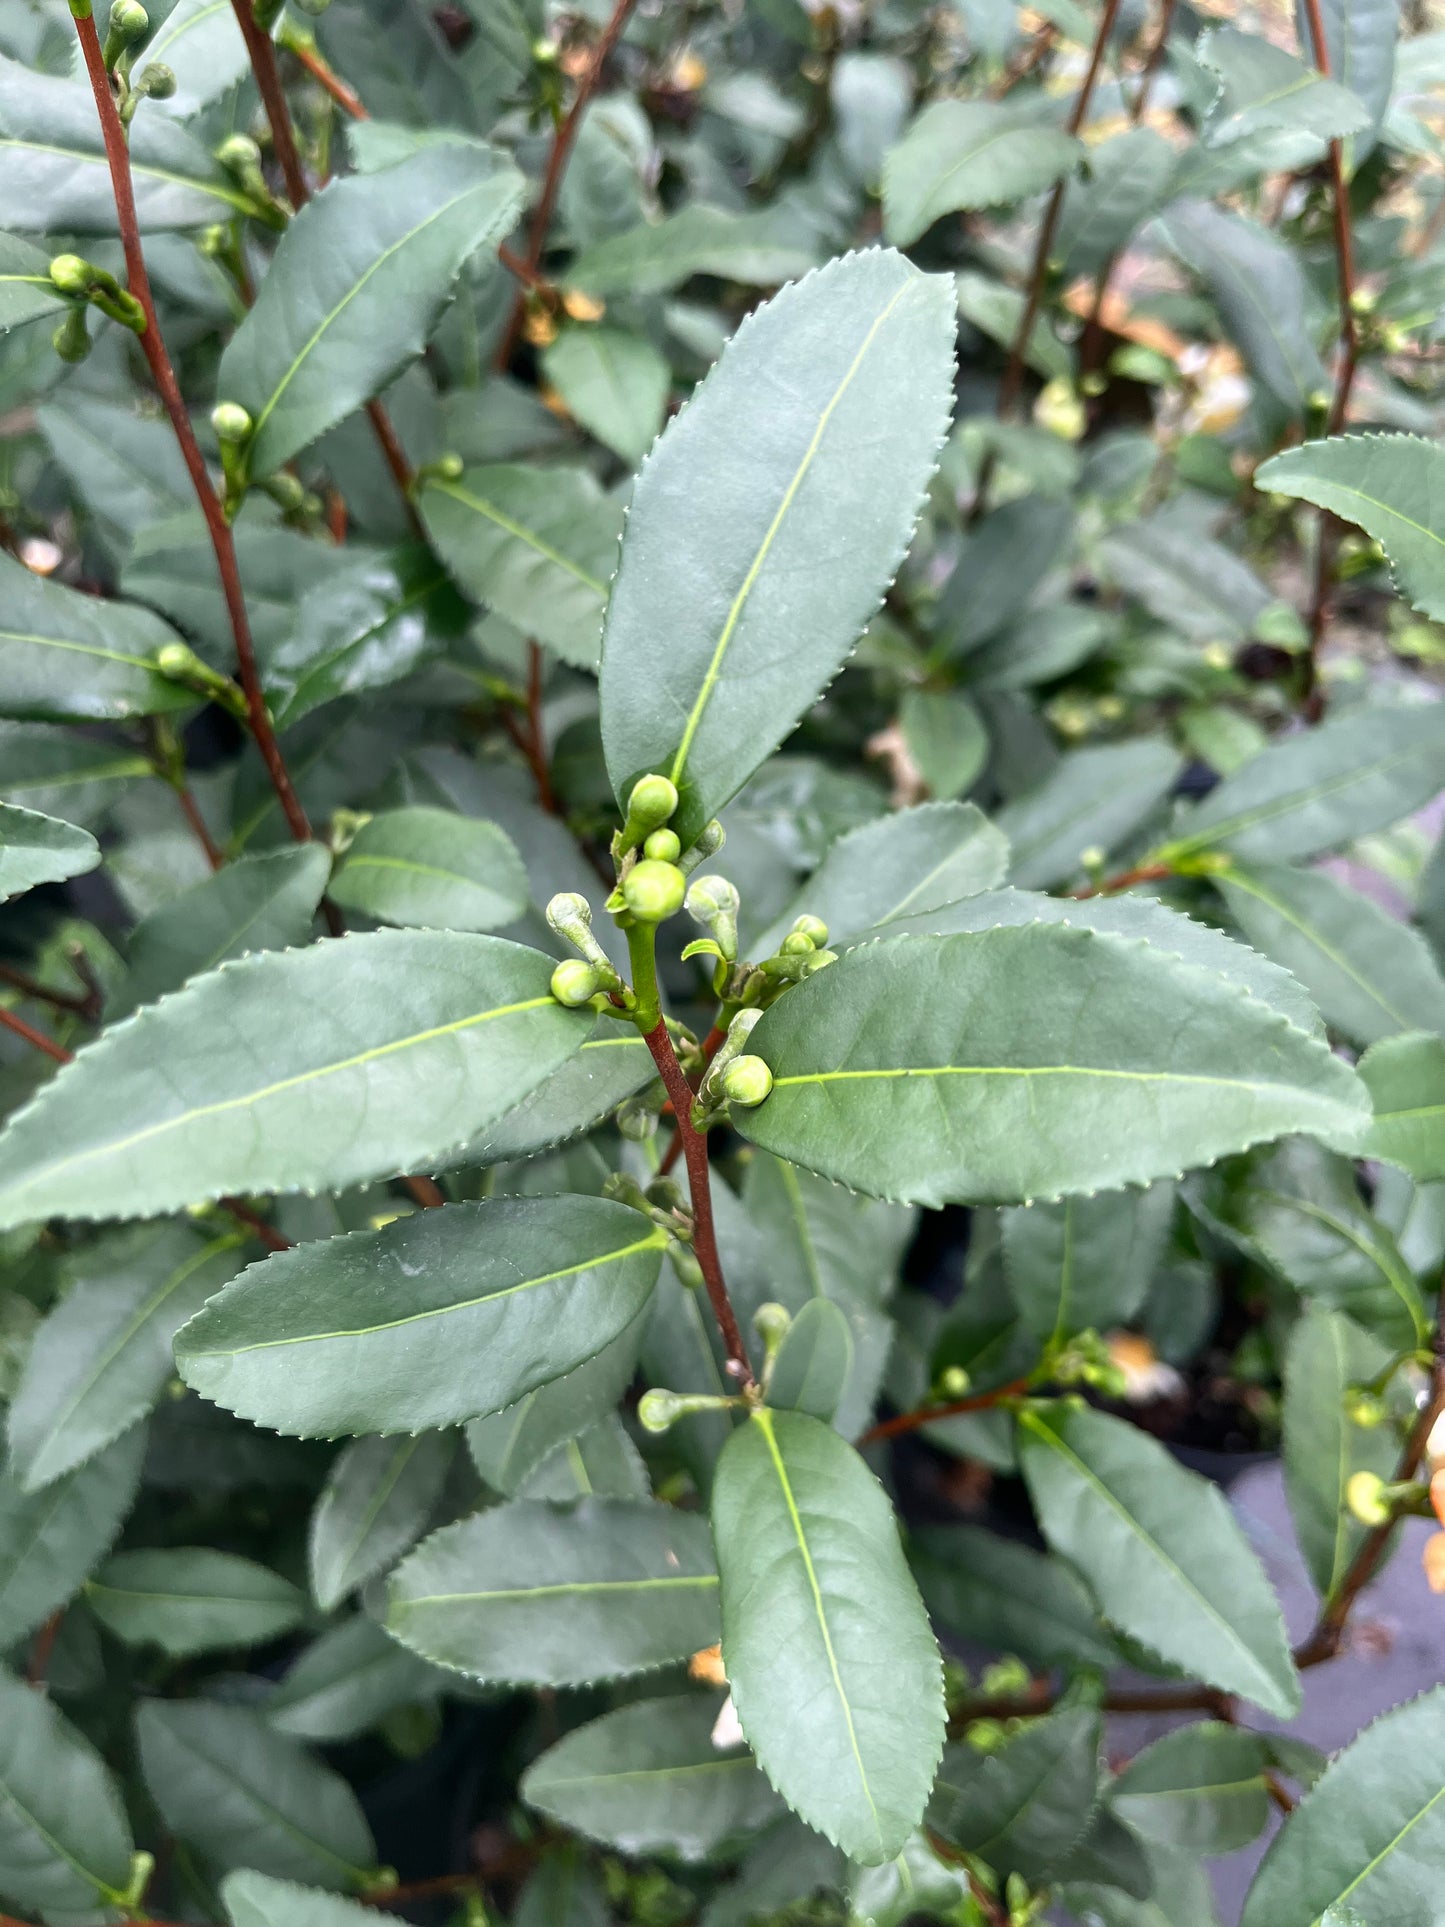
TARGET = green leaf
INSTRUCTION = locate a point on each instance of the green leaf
(435, 1318)
(998, 311)
(54, 178)
(614, 383)
(1201, 1788)
(1384, 484)
(1259, 288)
(601, 1463)
(1129, 177)
(1299, 1211)
(356, 286)
(648, 1778)
(26, 290)
(835, 1674)
(611, 1066)
(760, 248)
(190, 1599)
(1323, 1448)
(912, 1069)
(1093, 799)
(908, 865)
(38, 849)
(363, 630)
(1009, 1598)
(1197, 586)
(255, 903)
(1405, 1077)
(510, 1445)
(1085, 1262)
(825, 411)
(253, 1077)
(68, 657)
(245, 1796)
(50, 1540)
(1310, 792)
(537, 545)
(1023, 1807)
(1370, 1835)
(53, 770)
(432, 867)
(968, 154)
(541, 1595)
(378, 1500)
(1260, 86)
(946, 737)
(102, 1356)
(127, 469)
(1360, 38)
(254, 1900)
(346, 1682)
(1001, 562)
(1371, 975)
(563, 1892)
(64, 1838)
(814, 1362)
(200, 41)
(1161, 1550)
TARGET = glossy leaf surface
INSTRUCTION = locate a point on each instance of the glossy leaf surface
(64, 1836)
(432, 867)
(191, 1599)
(38, 849)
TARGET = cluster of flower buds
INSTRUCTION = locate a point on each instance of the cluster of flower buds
(89, 286)
(734, 1076)
(589, 978)
(128, 26)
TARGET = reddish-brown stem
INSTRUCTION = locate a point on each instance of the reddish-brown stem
(892, 1428)
(42, 1648)
(1124, 880)
(402, 472)
(442, 1883)
(537, 750)
(35, 1037)
(326, 76)
(704, 1238)
(1279, 1793)
(1028, 62)
(42, 993)
(153, 347)
(253, 1222)
(711, 1045)
(427, 1193)
(191, 810)
(557, 158)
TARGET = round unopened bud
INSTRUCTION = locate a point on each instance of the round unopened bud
(813, 928)
(746, 1081)
(819, 960)
(657, 1410)
(654, 891)
(239, 154)
(1367, 1499)
(230, 421)
(1365, 1408)
(574, 983)
(175, 660)
(156, 80)
(954, 1382)
(71, 340)
(771, 1321)
(129, 22)
(663, 846)
(651, 804)
(797, 944)
(71, 274)
(568, 909)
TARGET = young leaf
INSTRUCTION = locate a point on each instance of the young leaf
(1371, 1833)
(1085, 1262)
(814, 1362)
(1371, 975)
(1202, 1787)
(537, 1594)
(1310, 792)
(1021, 1809)
(1383, 484)
(190, 1599)
(826, 410)
(432, 867)
(1093, 798)
(650, 1778)
(347, 1681)
(356, 286)
(38, 849)
(1161, 1550)
(911, 864)
(26, 289)
(1260, 85)
(1323, 1447)
(246, 1796)
(1008, 1597)
(537, 545)
(946, 737)
(255, 903)
(968, 154)
(1405, 1077)
(614, 383)
(65, 1842)
(975, 1031)
(50, 1540)
(377, 1502)
(255, 1900)
(253, 1078)
(434, 1319)
(835, 1673)
(68, 657)
(101, 1357)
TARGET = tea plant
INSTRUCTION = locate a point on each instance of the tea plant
(469, 1361)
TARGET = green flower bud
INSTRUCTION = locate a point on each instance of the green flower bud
(176, 660)
(771, 1322)
(636, 1118)
(685, 1264)
(71, 340)
(662, 846)
(653, 891)
(657, 1410)
(746, 1081)
(798, 944)
(156, 81)
(1365, 1408)
(710, 840)
(574, 983)
(954, 1382)
(129, 22)
(230, 422)
(813, 928)
(649, 807)
(1367, 1498)
(713, 904)
(71, 274)
(239, 155)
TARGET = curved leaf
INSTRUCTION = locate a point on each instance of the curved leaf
(435, 1318)
(50, 1540)
(968, 154)
(1405, 1077)
(614, 383)
(1093, 798)
(1024, 1807)
(26, 289)
(916, 1068)
(1009, 1597)
(1084, 1262)
(1263, 86)
(68, 657)
(257, 1076)
(347, 1681)
(814, 1362)
(536, 1594)
(64, 1838)
(37, 849)
(255, 1900)
(432, 867)
(835, 1673)
(1202, 1787)
(377, 1502)
(191, 1599)
(825, 411)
